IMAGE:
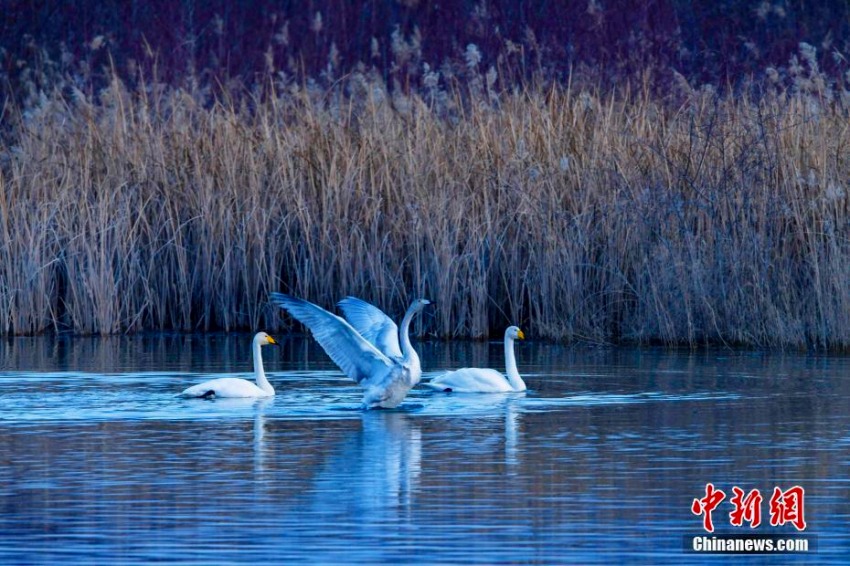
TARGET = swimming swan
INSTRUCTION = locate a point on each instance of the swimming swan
(477, 380)
(367, 349)
(235, 387)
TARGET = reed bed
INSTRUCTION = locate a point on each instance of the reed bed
(615, 216)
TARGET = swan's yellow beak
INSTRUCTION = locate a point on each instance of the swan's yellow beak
(520, 335)
(272, 341)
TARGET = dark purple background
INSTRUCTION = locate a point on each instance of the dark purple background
(704, 40)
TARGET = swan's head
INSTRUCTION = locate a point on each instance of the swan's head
(419, 304)
(514, 333)
(264, 339)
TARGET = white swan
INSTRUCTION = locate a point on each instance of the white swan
(478, 380)
(367, 349)
(372, 324)
(235, 387)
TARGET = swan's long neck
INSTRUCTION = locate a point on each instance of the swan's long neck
(410, 355)
(259, 372)
(510, 366)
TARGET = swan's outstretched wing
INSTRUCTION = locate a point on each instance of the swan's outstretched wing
(354, 355)
(373, 325)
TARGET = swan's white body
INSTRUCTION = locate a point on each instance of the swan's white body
(366, 347)
(479, 380)
(235, 387)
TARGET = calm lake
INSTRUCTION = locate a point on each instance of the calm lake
(599, 461)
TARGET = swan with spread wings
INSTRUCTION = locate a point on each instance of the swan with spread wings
(366, 347)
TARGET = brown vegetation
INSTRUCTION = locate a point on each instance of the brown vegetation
(576, 213)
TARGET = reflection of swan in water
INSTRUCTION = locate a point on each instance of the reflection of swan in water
(398, 455)
(245, 407)
(375, 473)
(512, 422)
(260, 449)
(500, 415)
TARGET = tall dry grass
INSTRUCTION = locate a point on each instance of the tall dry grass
(616, 216)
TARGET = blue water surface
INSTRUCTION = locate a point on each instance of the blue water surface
(599, 462)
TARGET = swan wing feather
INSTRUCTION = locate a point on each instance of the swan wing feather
(371, 323)
(355, 356)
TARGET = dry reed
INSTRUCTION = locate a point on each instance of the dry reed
(574, 213)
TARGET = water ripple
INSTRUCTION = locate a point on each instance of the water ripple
(598, 462)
